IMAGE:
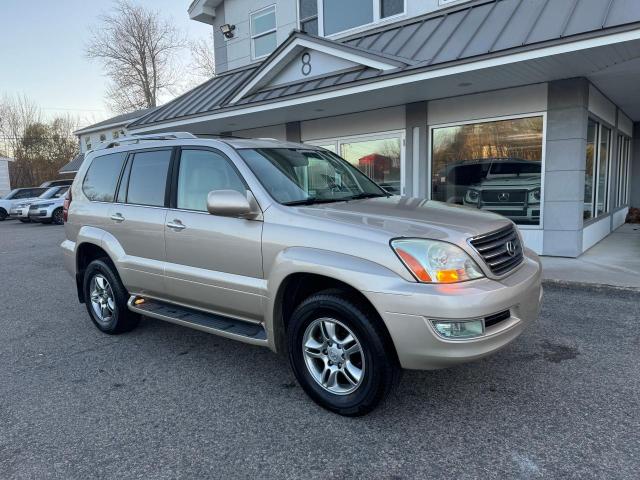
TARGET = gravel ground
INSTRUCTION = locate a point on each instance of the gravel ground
(167, 402)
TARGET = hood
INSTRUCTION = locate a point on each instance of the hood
(532, 181)
(398, 216)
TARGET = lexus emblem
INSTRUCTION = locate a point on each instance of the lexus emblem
(503, 196)
(511, 248)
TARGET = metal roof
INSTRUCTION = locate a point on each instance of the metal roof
(478, 28)
(114, 121)
(74, 165)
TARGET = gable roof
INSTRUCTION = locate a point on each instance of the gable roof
(74, 165)
(464, 33)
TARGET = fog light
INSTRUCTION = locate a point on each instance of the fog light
(459, 329)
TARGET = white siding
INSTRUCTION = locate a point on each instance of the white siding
(601, 106)
(361, 123)
(5, 185)
(499, 103)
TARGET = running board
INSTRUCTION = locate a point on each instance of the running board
(206, 322)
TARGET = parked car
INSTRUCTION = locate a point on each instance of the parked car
(15, 196)
(49, 210)
(58, 183)
(512, 189)
(240, 238)
(20, 210)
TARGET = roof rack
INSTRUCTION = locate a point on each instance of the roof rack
(132, 139)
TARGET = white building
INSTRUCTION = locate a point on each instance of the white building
(523, 107)
(5, 181)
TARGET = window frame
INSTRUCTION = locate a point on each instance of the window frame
(125, 176)
(253, 37)
(386, 135)
(600, 124)
(624, 154)
(118, 180)
(543, 190)
(175, 175)
(377, 19)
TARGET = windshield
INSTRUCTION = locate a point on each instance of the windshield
(297, 176)
(54, 192)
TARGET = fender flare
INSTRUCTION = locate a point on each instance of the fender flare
(361, 274)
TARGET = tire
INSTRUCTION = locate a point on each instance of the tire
(3, 214)
(345, 392)
(109, 312)
(56, 217)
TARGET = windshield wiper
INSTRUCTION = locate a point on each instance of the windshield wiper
(312, 200)
(362, 195)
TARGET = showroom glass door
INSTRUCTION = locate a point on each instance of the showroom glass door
(379, 156)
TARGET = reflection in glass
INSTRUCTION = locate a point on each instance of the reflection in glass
(603, 171)
(589, 172)
(340, 15)
(378, 159)
(494, 166)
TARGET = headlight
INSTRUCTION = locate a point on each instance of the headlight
(22, 205)
(534, 196)
(433, 261)
(472, 196)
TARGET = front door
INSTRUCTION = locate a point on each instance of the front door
(213, 262)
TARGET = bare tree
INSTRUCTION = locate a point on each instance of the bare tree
(16, 114)
(202, 55)
(138, 51)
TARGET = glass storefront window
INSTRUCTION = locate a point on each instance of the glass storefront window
(494, 166)
(603, 171)
(596, 176)
(590, 168)
(379, 159)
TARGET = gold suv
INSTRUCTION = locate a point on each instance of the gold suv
(290, 247)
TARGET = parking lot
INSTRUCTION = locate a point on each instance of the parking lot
(169, 402)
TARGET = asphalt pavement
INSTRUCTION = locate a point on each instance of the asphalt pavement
(563, 401)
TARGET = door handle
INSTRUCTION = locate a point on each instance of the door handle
(176, 225)
(117, 217)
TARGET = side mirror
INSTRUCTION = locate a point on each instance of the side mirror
(231, 203)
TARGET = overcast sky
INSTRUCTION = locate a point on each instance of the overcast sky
(42, 52)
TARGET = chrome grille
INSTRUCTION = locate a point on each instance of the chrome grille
(492, 247)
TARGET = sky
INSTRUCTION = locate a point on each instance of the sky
(42, 45)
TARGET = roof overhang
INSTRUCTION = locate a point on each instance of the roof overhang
(203, 10)
(299, 43)
(590, 56)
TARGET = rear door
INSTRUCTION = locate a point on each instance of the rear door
(213, 262)
(137, 219)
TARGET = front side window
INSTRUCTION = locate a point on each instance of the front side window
(148, 178)
(99, 184)
(263, 32)
(299, 176)
(494, 166)
(201, 172)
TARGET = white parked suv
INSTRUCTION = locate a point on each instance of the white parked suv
(49, 210)
(20, 209)
(17, 196)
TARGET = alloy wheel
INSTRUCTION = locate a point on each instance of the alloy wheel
(333, 356)
(102, 299)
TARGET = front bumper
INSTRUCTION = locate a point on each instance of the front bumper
(37, 215)
(22, 212)
(408, 309)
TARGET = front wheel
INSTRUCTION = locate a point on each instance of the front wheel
(3, 214)
(106, 299)
(57, 217)
(341, 355)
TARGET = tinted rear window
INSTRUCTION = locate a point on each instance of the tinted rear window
(148, 178)
(102, 177)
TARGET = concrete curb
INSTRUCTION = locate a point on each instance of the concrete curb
(599, 287)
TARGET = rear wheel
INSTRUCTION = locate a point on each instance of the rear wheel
(106, 299)
(341, 355)
(56, 217)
